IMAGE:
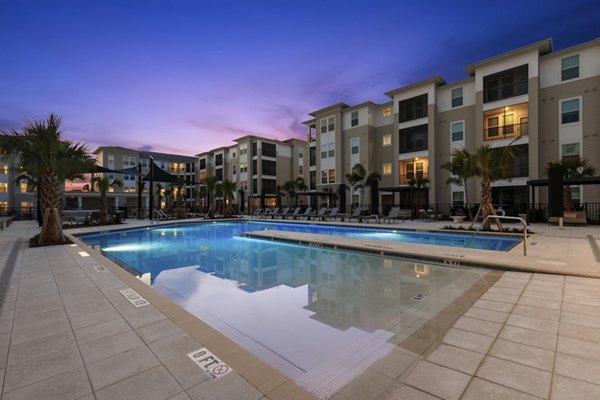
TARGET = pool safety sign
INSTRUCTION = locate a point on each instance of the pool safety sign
(209, 363)
(134, 298)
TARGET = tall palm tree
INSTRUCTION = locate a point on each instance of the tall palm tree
(491, 164)
(332, 195)
(49, 160)
(462, 167)
(228, 188)
(373, 176)
(180, 196)
(211, 186)
(300, 187)
(356, 179)
(421, 184)
(572, 168)
(289, 188)
(159, 193)
(241, 194)
(103, 184)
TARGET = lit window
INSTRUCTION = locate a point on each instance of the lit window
(387, 140)
(3, 169)
(569, 67)
(387, 112)
(332, 176)
(387, 169)
(323, 176)
(3, 187)
(457, 129)
(354, 146)
(26, 204)
(354, 118)
(23, 187)
(457, 97)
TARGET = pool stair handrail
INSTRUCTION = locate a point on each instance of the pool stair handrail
(501, 217)
(159, 215)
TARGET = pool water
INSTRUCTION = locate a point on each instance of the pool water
(320, 316)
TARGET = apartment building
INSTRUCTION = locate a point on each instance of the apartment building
(15, 194)
(81, 195)
(543, 103)
(257, 166)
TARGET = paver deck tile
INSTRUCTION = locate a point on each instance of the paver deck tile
(448, 383)
(564, 388)
(516, 376)
(480, 389)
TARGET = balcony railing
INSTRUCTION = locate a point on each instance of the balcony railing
(520, 170)
(506, 131)
(506, 91)
(408, 178)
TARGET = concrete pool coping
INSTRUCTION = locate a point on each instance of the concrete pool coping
(267, 380)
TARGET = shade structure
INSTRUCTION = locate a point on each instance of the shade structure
(159, 175)
(98, 169)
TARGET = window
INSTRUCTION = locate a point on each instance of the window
(576, 194)
(323, 123)
(508, 127)
(332, 176)
(300, 170)
(3, 187)
(458, 131)
(387, 140)
(569, 67)
(458, 198)
(354, 145)
(301, 153)
(457, 97)
(3, 169)
(173, 167)
(269, 167)
(111, 159)
(387, 112)
(219, 159)
(569, 111)
(233, 168)
(492, 124)
(570, 151)
(331, 124)
(233, 154)
(203, 163)
(312, 152)
(181, 167)
(269, 150)
(323, 151)
(413, 108)
(354, 118)
(413, 139)
(323, 177)
(387, 169)
(331, 149)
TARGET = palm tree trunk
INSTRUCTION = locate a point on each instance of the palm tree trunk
(51, 205)
(103, 215)
(469, 213)
(568, 200)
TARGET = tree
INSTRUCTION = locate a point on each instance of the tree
(103, 184)
(241, 194)
(159, 194)
(211, 185)
(332, 195)
(491, 164)
(571, 168)
(462, 168)
(356, 179)
(228, 188)
(289, 188)
(373, 176)
(421, 185)
(300, 187)
(49, 160)
(180, 196)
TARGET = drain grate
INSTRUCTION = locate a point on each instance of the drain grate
(595, 248)
(7, 271)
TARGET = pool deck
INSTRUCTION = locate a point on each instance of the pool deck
(66, 332)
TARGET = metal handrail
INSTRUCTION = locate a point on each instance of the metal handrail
(512, 219)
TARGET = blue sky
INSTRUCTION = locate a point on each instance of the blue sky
(186, 76)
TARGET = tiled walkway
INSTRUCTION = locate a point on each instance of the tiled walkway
(67, 333)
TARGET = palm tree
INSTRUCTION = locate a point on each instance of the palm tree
(572, 168)
(179, 196)
(211, 185)
(331, 194)
(103, 184)
(289, 188)
(373, 176)
(241, 194)
(49, 160)
(300, 187)
(462, 168)
(159, 194)
(356, 178)
(421, 184)
(491, 164)
(228, 188)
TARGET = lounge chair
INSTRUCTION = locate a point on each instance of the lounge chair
(333, 213)
(322, 214)
(257, 212)
(356, 214)
(282, 213)
(306, 214)
(295, 213)
(393, 215)
(273, 213)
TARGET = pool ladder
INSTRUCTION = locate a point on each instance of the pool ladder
(478, 228)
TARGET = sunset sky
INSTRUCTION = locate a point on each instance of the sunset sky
(187, 76)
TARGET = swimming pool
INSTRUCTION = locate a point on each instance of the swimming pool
(320, 316)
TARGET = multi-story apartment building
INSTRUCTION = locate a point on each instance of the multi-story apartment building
(257, 166)
(15, 194)
(543, 103)
(81, 195)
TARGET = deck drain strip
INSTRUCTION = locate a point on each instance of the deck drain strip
(9, 267)
(595, 248)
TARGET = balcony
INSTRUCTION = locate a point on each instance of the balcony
(506, 131)
(413, 139)
(406, 179)
(506, 84)
(520, 170)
